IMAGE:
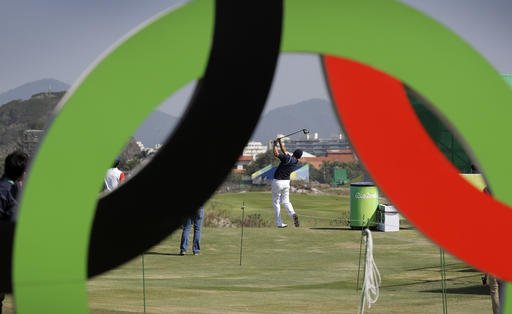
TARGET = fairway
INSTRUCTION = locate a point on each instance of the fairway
(288, 271)
(313, 209)
(311, 269)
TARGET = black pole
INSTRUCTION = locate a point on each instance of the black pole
(143, 284)
(242, 234)
(443, 281)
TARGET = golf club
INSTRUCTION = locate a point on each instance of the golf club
(305, 131)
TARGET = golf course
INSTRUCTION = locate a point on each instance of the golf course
(310, 269)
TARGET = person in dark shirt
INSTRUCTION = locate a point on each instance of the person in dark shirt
(496, 285)
(10, 183)
(281, 183)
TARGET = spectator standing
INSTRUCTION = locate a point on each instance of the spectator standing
(114, 176)
(10, 186)
(496, 285)
(197, 222)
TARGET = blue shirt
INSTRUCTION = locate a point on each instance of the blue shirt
(286, 167)
(8, 194)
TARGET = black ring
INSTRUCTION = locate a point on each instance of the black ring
(200, 153)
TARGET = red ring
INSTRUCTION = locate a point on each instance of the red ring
(407, 166)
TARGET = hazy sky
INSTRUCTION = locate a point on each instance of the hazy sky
(60, 39)
(484, 24)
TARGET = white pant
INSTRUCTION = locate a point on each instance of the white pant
(281, 194)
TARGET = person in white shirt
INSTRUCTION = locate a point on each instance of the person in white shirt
(113, 177)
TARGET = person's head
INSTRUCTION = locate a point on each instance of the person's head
(15, 165)
(297, 153)
(116, 162)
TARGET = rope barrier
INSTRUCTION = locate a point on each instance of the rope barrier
(372, 279)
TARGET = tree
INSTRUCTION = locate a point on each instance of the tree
(315, 174)
(354, 169)
(326, 172)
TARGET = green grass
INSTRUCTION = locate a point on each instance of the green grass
(293, 270)
(313, 210)
(311, 269)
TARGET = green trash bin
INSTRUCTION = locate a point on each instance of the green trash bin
(364, 201)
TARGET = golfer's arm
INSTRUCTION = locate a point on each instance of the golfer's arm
(276, 153)
(282, 147)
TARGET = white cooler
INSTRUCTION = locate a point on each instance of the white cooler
(388, 219)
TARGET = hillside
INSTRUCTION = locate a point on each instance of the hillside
(26, 91)
(35, 113)
(317, 115)
(19, 115)
(155, 129)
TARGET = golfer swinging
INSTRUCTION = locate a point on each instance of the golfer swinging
(281, 183)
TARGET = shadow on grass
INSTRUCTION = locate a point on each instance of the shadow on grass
(330, 228)
(434, 267)
(450, 281)
(419, 282)
(335, 285)
(475, 290)
(160, 253)
(470, 270)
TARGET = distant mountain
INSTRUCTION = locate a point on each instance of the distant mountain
(316, 115)
(16, 116)
(155, 129)
(25, 91)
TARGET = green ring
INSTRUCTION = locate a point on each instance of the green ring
(52, 237)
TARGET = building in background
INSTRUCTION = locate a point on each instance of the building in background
(31, 139)
(254, 148)
(339, 155)
(316, 145)
(242, 163)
